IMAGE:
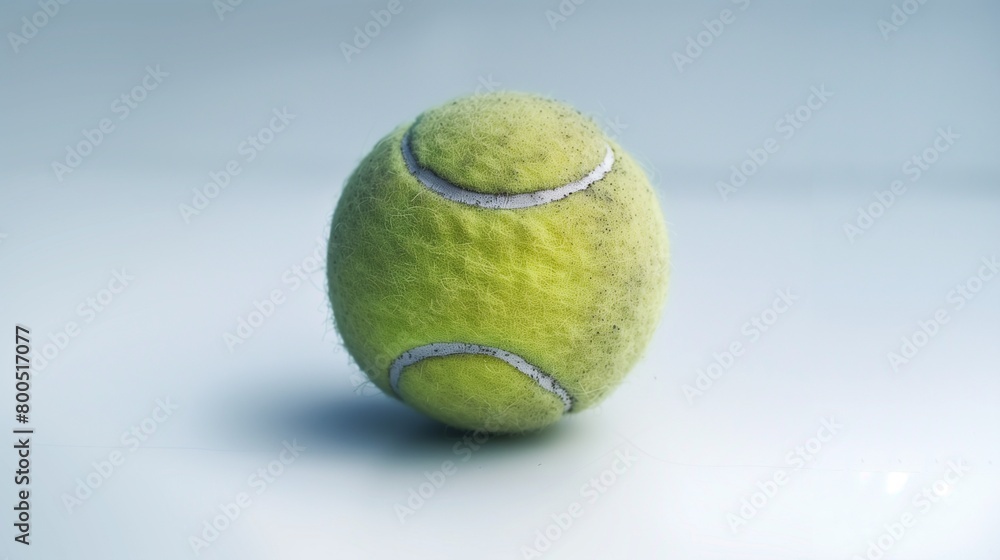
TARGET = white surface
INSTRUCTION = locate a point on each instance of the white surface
(824, 359)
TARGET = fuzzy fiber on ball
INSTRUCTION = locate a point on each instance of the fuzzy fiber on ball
(574, 286)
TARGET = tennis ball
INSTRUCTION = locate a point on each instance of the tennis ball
(497, 263)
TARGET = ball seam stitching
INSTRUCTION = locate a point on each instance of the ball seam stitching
(455, 193)
(440, 349)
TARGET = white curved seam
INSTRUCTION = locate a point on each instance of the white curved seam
(501, 201)
(438, 349)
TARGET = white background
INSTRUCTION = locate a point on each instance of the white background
(62, 235)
